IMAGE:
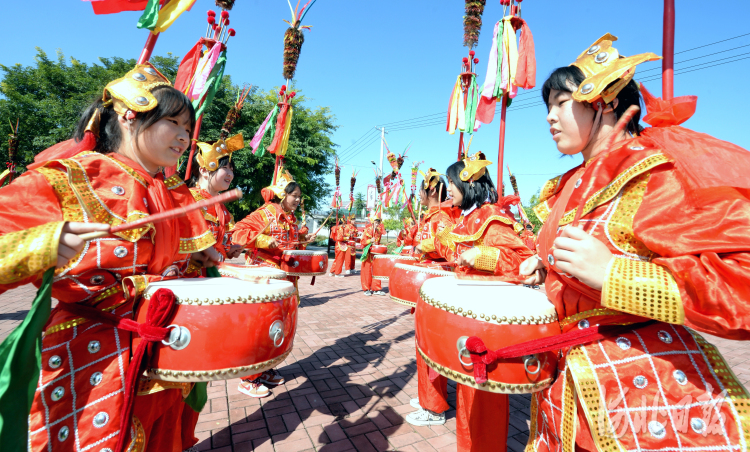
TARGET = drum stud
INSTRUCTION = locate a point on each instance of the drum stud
(460, 309)
(522, 319)
(469, 312)
(481, 316)
(513, 319)
(494, 317)
(473, 316)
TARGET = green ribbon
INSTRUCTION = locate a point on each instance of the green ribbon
(499, 77)
(212, 85)
(472, 104)
(365, 251)
(150, 15)
(198, 396)
(271, 124)
(20, 363)
(398, 250)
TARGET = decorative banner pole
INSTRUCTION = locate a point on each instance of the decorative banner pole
(667, 77)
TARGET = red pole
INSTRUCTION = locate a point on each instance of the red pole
(667, 77)
(148, 48)
(501, 145)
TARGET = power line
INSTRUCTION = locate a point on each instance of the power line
(355, 142)
(704, 56)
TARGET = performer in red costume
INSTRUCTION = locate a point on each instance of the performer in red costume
(109, 174)
(406, 236)
(213, 172)
(432, 402)
(265, 234)
(483, 241)
(371, 235)
(339, 236)
(659, 386)
(351, 254)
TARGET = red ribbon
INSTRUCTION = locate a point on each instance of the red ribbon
(160, 309)
(483, 357)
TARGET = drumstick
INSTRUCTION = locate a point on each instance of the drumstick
(178, 212)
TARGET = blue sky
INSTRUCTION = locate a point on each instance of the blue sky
(388, 61)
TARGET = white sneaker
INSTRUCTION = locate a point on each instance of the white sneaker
(415, 403)
(379, 292)
(423, 418)
(348, 272)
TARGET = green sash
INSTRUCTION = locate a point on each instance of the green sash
(365, 251)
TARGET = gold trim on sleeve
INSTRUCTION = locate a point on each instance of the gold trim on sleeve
(196, 244)
(29, 252)
(427, 245)
(262, 241)
(487, 258)
(644, 289)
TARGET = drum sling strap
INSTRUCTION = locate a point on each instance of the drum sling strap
(482, 357)
(160, 310)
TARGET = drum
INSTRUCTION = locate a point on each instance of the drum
(223, 328)
(407, 250)
(249, 272)
(352, 243)
(405, 281)
(501, 314)
(304, 262)
(378, 249)
(382, 264)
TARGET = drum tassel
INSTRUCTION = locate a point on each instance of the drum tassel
(482, 357)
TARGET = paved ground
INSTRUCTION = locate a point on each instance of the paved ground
(350, 378)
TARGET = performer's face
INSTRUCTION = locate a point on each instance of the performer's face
(570, 122)
(163, 143)
(456, 196)
(291, 200)
(222, 179)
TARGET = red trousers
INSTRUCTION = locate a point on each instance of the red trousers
(481, 420)
(350, 260)
(168, 423)
(338, 262)
(365, 276)
(433, 395)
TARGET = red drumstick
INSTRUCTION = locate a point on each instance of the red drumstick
(231, 195)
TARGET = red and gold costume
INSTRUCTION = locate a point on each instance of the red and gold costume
(490, 229)
(108, 275)
(340, 237)
(371, 235)
(680, 257)
(407, 235)
(436, 220)
(351, 255)
(219, 220)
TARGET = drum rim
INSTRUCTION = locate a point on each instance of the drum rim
(394, 256)
(281, 275)
(504, 320)
(499, 387)
(411, 304)
(218, 374)
(306, 274)
(305, 253)
(271, 298)
(429, 271)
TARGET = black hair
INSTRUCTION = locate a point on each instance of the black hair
(568, 78)
(475, 194)
(195, 172)
(171, 103)
(289, 189)
(441, 187)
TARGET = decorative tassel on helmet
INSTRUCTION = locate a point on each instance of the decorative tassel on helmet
(234, 113)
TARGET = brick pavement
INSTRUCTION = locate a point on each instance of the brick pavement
(349, 381)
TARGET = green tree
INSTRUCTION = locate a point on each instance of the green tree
(359, 202)
(50, 95)
(529, 209)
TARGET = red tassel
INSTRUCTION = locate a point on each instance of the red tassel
(188, 66)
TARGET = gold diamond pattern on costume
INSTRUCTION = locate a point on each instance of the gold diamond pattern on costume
(644, 289)
(58, 180)
(620, 224)
(29, 252)
(487, 258)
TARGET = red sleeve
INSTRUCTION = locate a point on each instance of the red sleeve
(246, 231)
(703, 239)
(512, 249)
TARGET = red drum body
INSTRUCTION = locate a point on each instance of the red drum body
(304, 263)
(352, 243)
(382, 264)
(378, 249)
(407, 250)
(252, 273)
(450, 311)
(223, 328)
(406, 280)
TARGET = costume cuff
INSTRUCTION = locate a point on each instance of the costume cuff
(643, 289)
(487, 258)
(197, 244)
(427, 245)
(29, 252)
(262, 241)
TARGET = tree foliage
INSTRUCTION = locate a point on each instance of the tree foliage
(529, 209)
(49, 96)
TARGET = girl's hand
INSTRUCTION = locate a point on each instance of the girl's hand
(582, 256)
(273, 244)
(70, 244)
(534, 269)
(234, 251)
(468, 258)
(206, 258)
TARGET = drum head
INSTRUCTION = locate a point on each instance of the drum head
(497, 303)
(222, 290)
(423, 269)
